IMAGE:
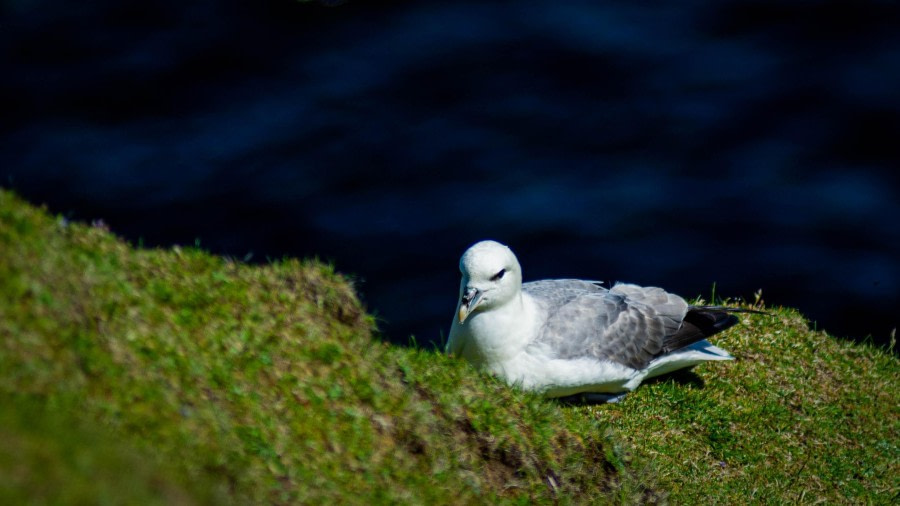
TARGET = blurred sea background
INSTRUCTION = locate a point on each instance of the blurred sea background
(754, 145)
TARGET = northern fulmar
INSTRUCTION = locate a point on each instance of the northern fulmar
(564, 337)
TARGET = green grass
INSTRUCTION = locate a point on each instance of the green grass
(140, 376)
(798, 417)
(249, 384)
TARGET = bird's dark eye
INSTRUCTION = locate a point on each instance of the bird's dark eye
(499, 275)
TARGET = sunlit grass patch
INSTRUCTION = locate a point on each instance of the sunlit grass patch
(799, 416)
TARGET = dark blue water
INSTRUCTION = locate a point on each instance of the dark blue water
(754, 145)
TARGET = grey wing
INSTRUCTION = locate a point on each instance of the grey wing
(557, 292)
(627, 324)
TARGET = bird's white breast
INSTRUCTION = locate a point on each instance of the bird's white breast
(489, 338)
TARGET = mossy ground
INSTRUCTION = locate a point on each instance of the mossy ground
(798, 417)
(248, 384)
(179, 377)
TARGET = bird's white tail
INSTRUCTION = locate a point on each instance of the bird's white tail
(689, 356)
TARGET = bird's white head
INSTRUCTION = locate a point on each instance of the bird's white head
(491, 277)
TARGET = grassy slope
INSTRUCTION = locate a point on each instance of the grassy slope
(236, 383)
(177, 377)
(798, 417)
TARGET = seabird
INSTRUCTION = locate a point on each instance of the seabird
(564, 337)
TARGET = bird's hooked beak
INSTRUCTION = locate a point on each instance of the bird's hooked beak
(470, 301)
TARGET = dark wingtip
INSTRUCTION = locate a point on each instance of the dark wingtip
(699, 323)
(728, 309)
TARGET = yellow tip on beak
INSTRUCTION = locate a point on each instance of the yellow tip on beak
(463, 313)
(470, 300)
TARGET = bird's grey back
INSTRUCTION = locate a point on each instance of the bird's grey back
(627, 324)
